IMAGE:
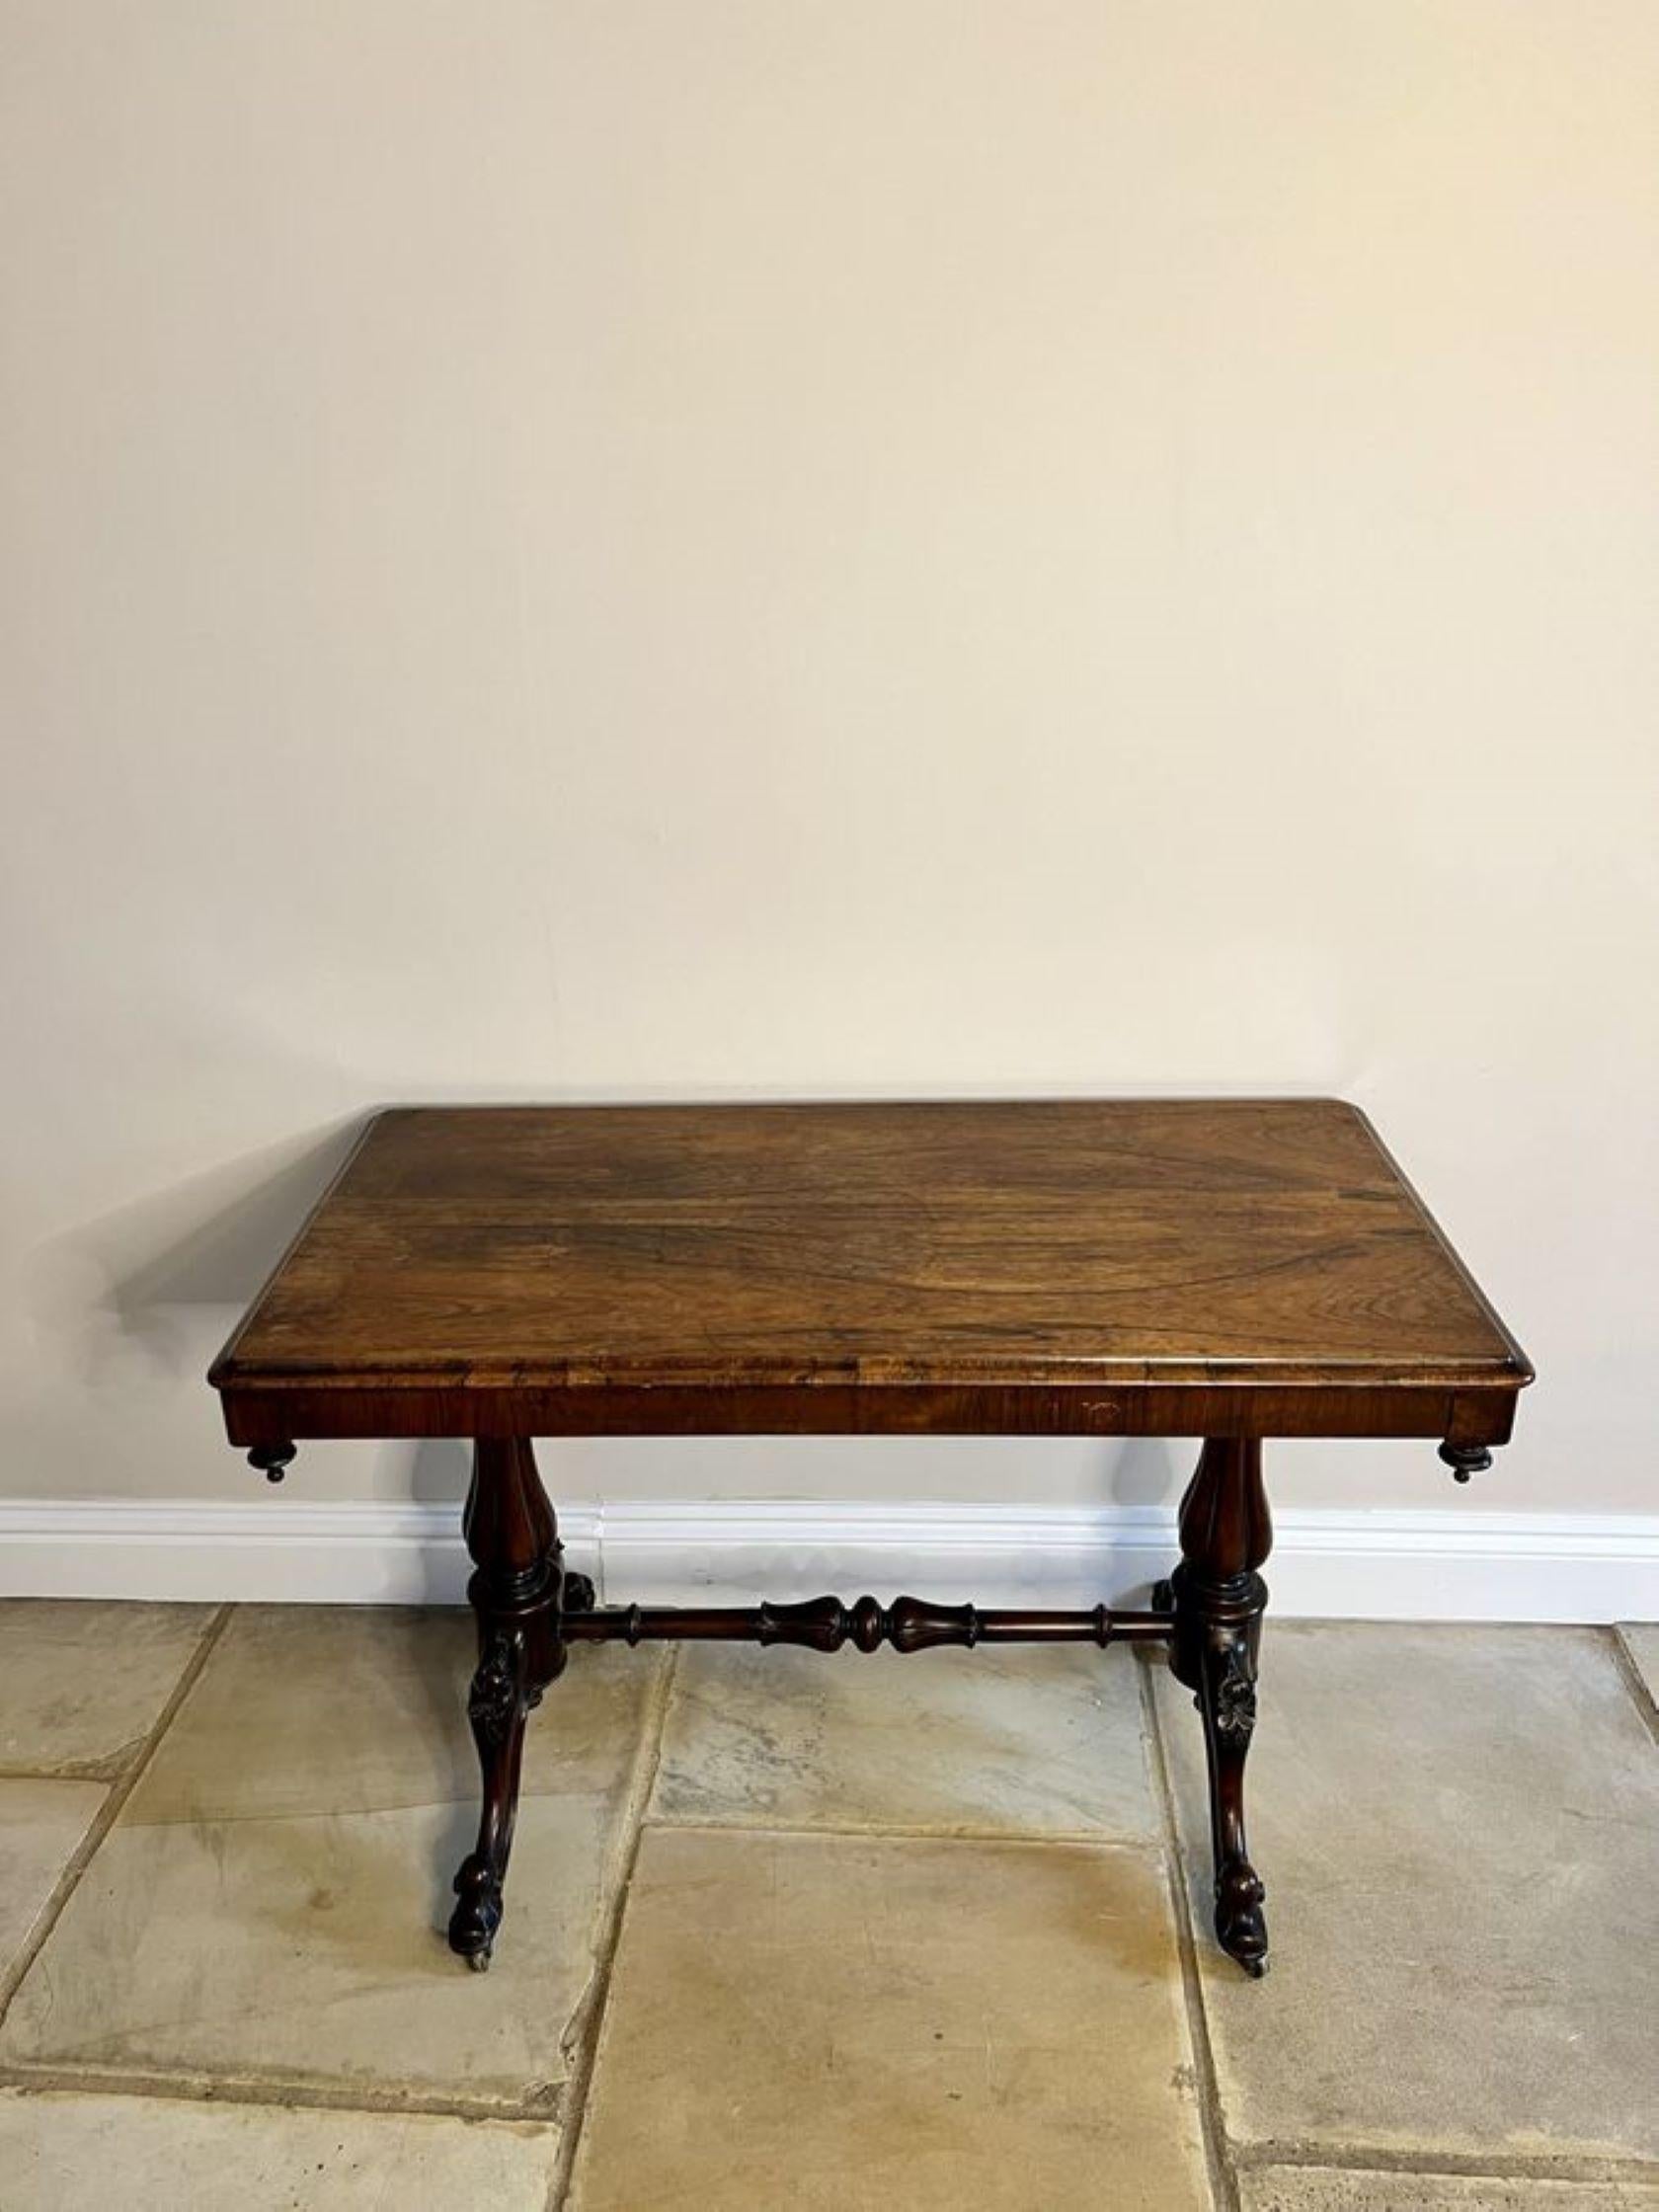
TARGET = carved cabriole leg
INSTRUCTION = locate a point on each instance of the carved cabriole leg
(1219, 1600)
(515, 1592)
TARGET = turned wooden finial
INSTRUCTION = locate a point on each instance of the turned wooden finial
(272, 1459)
(1465, 1460)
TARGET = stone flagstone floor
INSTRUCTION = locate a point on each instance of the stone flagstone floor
(786, 1931)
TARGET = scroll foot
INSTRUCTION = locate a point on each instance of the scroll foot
(478, 1913)
(1241, 1925)
(1226, 1699)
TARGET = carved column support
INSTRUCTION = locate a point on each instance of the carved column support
(508, 1522)
(1218, 1599)
(516, 1590)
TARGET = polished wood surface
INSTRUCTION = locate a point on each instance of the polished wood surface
(1241, 1267)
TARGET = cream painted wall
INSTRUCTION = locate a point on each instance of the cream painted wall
(609, 548)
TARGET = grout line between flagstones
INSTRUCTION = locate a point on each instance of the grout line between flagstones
(1218, 2149)
(110, 1810)
(914, 1832)
(899, 1832)
(589, 2017)
(1635, 1680)
(272, 2092)
(1463, 2165)
(108, 1769)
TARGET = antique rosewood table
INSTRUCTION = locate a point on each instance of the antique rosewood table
(1227, 1270)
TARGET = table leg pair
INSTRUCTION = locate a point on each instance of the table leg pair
(530, 1611)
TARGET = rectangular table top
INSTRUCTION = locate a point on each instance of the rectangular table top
(1171, 1267)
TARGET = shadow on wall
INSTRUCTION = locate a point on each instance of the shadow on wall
(1145, 1471)
(141, 1283)
(442, 1470)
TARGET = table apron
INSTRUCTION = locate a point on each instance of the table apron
(273, 1413)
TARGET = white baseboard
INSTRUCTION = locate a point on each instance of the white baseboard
(1452, 1566)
